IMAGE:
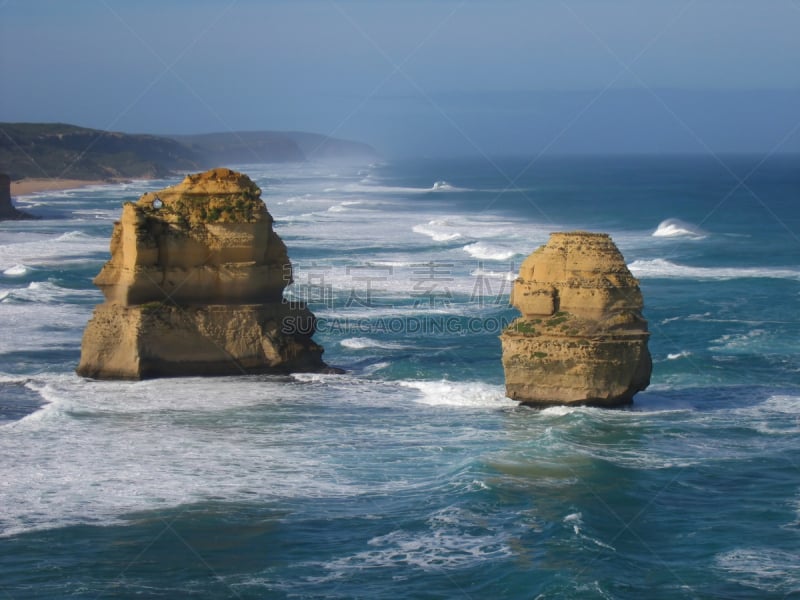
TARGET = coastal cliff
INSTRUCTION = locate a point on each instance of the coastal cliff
(194, 287)
(63, 151)
(581, 338)
(7, 210)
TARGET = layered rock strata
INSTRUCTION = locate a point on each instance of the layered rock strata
(195, 286)
(581, 338)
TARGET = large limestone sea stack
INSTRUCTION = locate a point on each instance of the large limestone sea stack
(581, 338)
(195, 287)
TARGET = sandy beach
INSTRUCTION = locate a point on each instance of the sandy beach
(30, 186)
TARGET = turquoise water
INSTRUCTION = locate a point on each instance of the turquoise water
(412, 476)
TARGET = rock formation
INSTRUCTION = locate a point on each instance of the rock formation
(581, 338)
(194, 287)
(7, 210)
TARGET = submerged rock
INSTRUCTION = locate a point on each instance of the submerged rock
(195, 286)
(581, 338)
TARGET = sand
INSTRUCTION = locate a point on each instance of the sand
(29, 186)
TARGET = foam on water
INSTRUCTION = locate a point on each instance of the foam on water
(369, 185)
(15, 271)
(42, 250)
(47, 292)
(386, 281)
(503, 275)
(660, 268)
(486, 251)
(436, 548)
(764, 568)
(440, 476)
(442, 186)
(677, 228)
(468, 395)
(437, 231)
(560, 411)
(741, 342)
(778, 415)
(99, 450)
(363, 343)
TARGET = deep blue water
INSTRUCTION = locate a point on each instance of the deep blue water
(412, 476)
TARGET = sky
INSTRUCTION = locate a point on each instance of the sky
(417, 77)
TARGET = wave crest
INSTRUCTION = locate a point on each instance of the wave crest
(449, 393)
(437, 231)
(484, 251)
(15, 271)
(363, 343)
(659, 268)
(678, 228)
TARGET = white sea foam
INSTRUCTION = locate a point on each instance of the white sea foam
(764, 568)
(659, 268)
(442, 186)
(48, 292)
(733, 342)
(560, 411)
(677, 228)
(677, 355)
(507, 275)
(40, 250)
(777, 416)
(99, 450)
(363, 343)
(374, 368)
(469, 395)
(437, 232)
(452, 538)
(484, 251)
(482, 229)
(16, 271)
(369, 185)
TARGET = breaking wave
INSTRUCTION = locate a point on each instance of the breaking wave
(484, 251)
(660, 268)
(678, 228)
(449, 393)
(437, 230)
(15, 271)
(362, 343)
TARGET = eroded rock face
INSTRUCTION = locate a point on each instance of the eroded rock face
(581, 338)
(7, 210)
(194, 287)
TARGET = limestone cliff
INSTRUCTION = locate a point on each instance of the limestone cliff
(581, 338)
(194, 287)
(7, 210)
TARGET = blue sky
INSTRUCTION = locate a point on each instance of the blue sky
(417, 77)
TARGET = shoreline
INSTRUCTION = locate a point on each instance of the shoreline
(23, 187)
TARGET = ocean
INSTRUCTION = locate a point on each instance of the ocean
(412, 475)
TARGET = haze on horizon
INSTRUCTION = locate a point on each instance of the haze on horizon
(413, 77)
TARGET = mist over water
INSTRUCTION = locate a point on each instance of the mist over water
(413, 475)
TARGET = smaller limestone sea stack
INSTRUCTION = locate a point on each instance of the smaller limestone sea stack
(195, 287)
(7, 210)
(581, 338)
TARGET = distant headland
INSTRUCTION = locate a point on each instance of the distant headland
(41, 156)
